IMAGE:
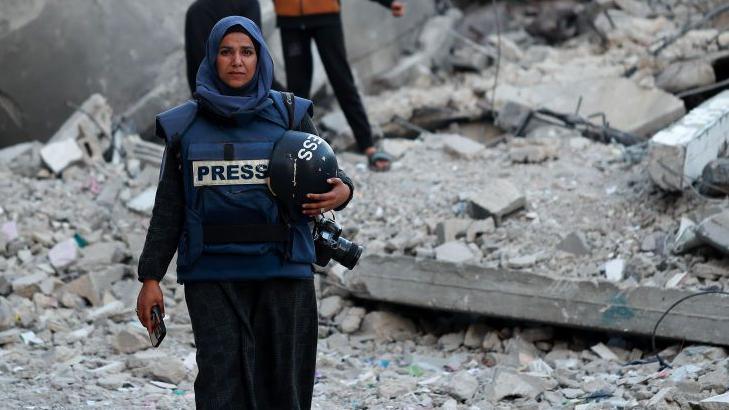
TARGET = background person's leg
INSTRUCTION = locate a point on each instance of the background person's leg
(330, 43)
(286, 326)
(225, 348)
(296, 45)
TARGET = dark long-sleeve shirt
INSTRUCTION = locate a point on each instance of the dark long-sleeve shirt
(200, 19)
(168, 214)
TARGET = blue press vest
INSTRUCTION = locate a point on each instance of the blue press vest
(225, 173)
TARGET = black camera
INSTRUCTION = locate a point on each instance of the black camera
(330, 245)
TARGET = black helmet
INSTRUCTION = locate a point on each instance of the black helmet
(300, 164)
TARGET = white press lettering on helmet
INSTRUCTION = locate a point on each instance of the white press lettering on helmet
(310, 144)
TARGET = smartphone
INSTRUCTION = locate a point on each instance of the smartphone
(158, 327)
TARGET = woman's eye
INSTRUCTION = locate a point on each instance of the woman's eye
(224, 52)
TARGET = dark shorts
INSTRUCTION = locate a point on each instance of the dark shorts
(256, 343)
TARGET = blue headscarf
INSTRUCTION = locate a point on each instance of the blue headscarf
(225, 100)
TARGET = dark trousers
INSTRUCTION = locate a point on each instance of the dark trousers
(256, 343)
(299, 71)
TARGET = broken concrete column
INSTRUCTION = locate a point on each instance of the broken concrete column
(677, 155)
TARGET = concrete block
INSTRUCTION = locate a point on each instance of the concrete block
(93, 285)
(455, 252)
(397, 147)
(497, 197)
(677, 155)
(388, 326)
(110, 309)
(330, 306)
(59, 155)
(614, 270)
(509, 384)
(451, 229)
(100, 255)
(63, 254)
(480, 227)
(461, 146)
(715, 231)
(144, 202)
(686, 75)
(463, 386)
(7, 316)
(28, 285)
(130, 339)
(575, 243)
(475, 335)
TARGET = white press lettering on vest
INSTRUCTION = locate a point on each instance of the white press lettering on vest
(237, 172)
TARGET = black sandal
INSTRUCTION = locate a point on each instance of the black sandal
(379, 156)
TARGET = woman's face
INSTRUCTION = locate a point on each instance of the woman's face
(237, 59)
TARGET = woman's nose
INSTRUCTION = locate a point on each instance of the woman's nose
(237, 59)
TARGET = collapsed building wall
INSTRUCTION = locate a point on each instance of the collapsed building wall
(55, 54)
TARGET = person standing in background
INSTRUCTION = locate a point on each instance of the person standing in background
(302, 21)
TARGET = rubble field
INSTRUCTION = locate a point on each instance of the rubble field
(556, 201)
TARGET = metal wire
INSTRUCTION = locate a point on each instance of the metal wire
(663, 364)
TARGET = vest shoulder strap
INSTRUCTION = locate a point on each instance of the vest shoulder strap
(286, 103)
(171, 124)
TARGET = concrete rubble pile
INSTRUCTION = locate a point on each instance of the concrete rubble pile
(74, 214)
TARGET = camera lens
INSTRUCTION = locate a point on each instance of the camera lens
(347, 253)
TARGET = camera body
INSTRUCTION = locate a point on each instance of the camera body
(330, 244)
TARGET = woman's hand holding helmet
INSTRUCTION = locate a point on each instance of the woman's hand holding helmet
(338, 195)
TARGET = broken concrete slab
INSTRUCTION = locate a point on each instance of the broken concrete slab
(714, 231)
(462, 386)
(92, 118)
(22, 159)
(627, 106)
(435, 43)
(60, 154)
(528, 296)
(677, 155)
(93, 285)
(461, 146)
(455, 252)
(686, 75)
(497, 197)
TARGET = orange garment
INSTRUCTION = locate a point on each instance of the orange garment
(294, 8)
